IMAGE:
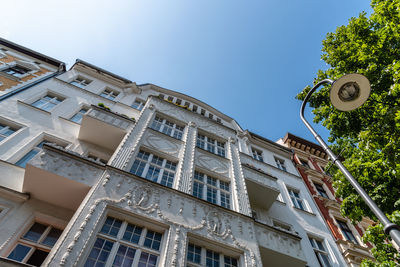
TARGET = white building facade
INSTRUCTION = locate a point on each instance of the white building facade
(100, 171)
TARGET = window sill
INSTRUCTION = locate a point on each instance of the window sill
(33, 107)
(305, 211)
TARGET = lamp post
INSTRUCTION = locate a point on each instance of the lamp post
(348, 93)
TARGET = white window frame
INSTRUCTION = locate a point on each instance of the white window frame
(80, 81)
(34, 245)
(211, 144)
(280, 164)
(219, 187)
(109, 93)
(118, 240)
(203, 256)
(316, 244)
(6, 127)
(138, 104)
(54, 99)
(79, 112)
(167, 127)
(146, 162)
(257, 154)
(296, 199)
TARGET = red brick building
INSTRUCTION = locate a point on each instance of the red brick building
(310, 160)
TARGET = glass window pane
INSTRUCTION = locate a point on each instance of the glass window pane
(37, 258)
(19, 252)
(52, 237)
(35, 232)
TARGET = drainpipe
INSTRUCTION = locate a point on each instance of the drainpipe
(61, 70)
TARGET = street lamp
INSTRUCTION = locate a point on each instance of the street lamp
(348, 93)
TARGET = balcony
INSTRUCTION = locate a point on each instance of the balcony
(262, 188)
(104, 128)
(12, 176)
(279, 248)
(60, 177)
(353, 253)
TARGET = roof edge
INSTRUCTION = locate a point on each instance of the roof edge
(32, 53)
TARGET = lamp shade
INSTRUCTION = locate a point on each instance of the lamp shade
(350, 92)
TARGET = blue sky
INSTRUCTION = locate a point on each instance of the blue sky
(248, 59)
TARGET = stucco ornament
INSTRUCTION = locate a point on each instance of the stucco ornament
(216, 226)
(192, 124)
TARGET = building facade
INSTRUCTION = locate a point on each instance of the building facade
(311, 161)
(99, 171)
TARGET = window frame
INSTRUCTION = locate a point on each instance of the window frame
(140, 106)
(216, 147)
(257, 154)
(319, 253)
(205, 189)
(145, 164)
(280, 163)
(6, 127)
(119, 240)
(318, 187)
(32, 244)
(163, 125)
(204, 248)
(58, 99)
(110, 95)
(79, 112)
(347, 233)
(296, 198)
(82, 83)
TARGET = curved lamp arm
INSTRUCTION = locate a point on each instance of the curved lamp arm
(390, 228)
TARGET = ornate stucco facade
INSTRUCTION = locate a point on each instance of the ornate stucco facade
(311, 161)
(100, 170)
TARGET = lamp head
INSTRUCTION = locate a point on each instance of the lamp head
(350, 92)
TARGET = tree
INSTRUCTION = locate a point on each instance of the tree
(369, 136)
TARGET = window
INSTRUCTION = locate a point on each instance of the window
(162, 96)
(24, 160)
(80, 82)
(34, 246)
(321, 190)
(154, 168)
(320, 252)
(6, 131)
(120, 243)
(348, 234)
(211, 145)
(280, 163)
(219, 120)
(170, 98)
(167, 127)
(194, 109)
(304, 163)
(109, 94)
(199, 256)
(257, 154)
(47, 102)
(203, 112)
(28, 156)
(178, 101)
(211, 116)
(138, 104)
(296, 200)
(16, 71)
(212, 189)
(79, 115)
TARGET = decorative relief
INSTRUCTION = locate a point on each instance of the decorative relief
(212, 164)
(215, 225)
(192, 124)
(162, 144)
(144, 199)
